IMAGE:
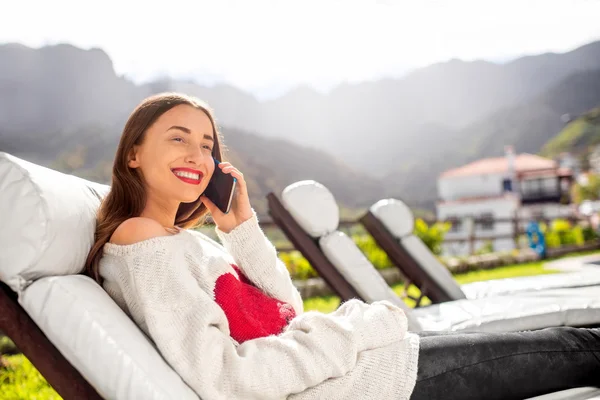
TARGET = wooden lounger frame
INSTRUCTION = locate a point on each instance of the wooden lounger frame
(32, 342)
(310, 249)
(404, 261)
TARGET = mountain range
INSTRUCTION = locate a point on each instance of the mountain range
(65, 107)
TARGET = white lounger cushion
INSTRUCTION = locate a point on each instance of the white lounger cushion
(586, 277)
(359, 272)
(587, 393)
(395, 215)
(100, 341)
(517, 312)
(313, 206)
(48, 221)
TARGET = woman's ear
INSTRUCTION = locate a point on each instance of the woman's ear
(132, 158)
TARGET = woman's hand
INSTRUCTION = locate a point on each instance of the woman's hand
(241, 210)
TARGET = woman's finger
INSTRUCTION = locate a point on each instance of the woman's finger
(236, 173)
(227, 168)
(241, 183)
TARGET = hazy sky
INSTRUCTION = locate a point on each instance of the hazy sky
(263, 46)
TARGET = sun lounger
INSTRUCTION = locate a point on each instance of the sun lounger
(391, 223)
(65, 323)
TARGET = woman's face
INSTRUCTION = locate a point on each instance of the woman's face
(175, 157)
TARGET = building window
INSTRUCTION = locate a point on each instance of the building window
(486, 221)
(530, 187)
(456, 223)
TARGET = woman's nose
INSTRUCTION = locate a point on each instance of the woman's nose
(195, 155)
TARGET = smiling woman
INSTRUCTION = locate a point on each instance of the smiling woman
(167, 145)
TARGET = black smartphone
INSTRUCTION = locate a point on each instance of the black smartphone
(220, 188)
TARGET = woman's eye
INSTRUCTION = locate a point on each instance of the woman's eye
(207, 147)
(178, 139)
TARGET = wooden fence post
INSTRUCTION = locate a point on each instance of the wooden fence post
(471, 233)
(516, 228)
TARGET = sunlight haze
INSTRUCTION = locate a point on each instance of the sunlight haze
(265, 46)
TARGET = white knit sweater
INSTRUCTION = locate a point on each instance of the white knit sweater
(166, 284)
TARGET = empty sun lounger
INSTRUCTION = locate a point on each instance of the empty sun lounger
(309, 216)
(391, 223)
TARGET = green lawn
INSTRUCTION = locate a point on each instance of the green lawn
(19, 380)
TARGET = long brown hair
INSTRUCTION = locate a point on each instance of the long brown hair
(127, 197)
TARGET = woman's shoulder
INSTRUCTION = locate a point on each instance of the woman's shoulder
(136, 230)
(145, 242)
(137, 235)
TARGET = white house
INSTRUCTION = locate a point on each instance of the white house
(525, 185)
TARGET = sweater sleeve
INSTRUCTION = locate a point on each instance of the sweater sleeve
(257, 258)
(191, 332)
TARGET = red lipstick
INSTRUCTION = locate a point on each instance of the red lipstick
(188, 175)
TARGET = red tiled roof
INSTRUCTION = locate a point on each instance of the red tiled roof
(523, 162)
(478, 199)
(541, 173)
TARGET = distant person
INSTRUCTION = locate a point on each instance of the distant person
(229, 320)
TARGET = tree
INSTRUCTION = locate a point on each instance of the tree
(587, 189)
(584, 160)
(432, 236)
